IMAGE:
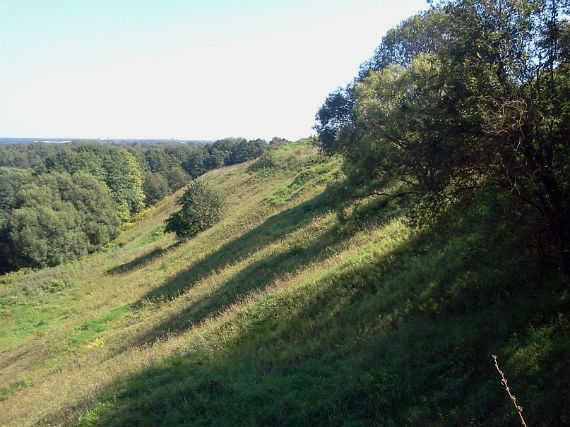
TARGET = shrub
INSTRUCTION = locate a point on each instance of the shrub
(202, 207)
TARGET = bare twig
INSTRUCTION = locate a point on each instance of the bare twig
(512, 396)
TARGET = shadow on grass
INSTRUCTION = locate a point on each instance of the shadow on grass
(258, 275)
(255, 277)
(141, 260)
(398, 341)
(268, 232)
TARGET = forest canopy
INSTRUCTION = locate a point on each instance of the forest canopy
(59, 202)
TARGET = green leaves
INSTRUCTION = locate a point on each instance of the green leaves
(56, 218)
(155, 188)
(114, 166)
(201, 207)
(471, 93)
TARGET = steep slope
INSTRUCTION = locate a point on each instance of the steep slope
(288, 312)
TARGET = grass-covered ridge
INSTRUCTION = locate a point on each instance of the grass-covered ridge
(287, 313)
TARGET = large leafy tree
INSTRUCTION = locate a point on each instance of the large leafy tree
(159, 161)
(124, 178)
(115, 166)
(471, 93)
(58, 217)
(155, 188)
(176, 178)
(406, 133)
(514, 87)
(11, 180)
(195, 163)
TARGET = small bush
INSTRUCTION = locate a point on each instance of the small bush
(202, 207)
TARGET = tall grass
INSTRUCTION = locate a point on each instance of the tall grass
(287, 313)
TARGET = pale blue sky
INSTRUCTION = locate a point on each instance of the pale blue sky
(197, 69)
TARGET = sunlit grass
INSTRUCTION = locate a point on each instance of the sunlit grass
(284, 313)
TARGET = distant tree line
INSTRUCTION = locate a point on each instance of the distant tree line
(61, 201)
(469, 95)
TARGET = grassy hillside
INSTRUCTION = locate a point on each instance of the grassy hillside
(288, 312)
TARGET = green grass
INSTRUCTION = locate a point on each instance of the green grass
(289, 313)
(93, 327)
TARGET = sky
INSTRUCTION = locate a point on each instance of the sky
(192, 69)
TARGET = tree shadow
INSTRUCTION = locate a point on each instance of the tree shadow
(253, 278)
(240, 248)
(141, 260)
(396, 341)
(258, 275)
(208, 382)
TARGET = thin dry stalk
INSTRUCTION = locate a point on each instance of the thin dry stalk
(512, 396)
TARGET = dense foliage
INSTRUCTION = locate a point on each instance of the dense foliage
(52, 218)
(155, 187)
(201, 207)
(471, 94)
(61, 201)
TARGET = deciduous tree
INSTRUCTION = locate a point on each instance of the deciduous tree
(201, 207)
